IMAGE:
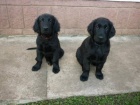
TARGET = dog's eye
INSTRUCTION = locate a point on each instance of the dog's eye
(97, 26)
(49, 20)
(42, 19)
(106, 27)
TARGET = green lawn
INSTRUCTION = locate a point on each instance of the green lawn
(119, 99)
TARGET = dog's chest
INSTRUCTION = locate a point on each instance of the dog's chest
(98, 54)
(47, 49)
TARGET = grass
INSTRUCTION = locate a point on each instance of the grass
(119, 99)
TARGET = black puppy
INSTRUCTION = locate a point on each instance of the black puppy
(95, 48)
(47, 27)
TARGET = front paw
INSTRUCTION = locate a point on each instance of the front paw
(99, 75)
(37, 66)
(56, 69)
(84, 76)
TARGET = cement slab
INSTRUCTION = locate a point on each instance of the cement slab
(121, 71)
(17, 81)
(19, 84)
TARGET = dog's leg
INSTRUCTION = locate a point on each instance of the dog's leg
(79, 58)
(55, 62)
(61, 53)
(39, 58)
(86, 69)
(99, 74)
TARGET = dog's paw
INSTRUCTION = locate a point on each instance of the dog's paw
(35, 68)
(99, 75)
(56, 70)
(84, 77)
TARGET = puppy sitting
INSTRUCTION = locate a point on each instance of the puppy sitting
(48, 46)
(95, 48)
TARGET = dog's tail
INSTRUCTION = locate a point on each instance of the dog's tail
(33, 48)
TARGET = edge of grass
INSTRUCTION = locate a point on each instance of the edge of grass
(117, 99)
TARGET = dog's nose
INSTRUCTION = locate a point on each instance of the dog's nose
(45, 28)
(101, 37)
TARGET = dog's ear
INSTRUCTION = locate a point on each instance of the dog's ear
(56, 26)
(36, 26)
(112, 30)
(90, 28)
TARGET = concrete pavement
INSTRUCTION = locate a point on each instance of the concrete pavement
(18, 84)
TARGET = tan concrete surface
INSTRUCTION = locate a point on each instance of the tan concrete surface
(19, 84)
(121, 71)
(17, 81)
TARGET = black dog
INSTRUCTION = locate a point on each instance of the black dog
(47, 27)
(95, 48)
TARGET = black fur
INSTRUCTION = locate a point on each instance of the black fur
(48, 46)
(95, 48)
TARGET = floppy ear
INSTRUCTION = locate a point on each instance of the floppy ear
(36, 26)
(90, 28)
(112, 30)
(56, 26)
